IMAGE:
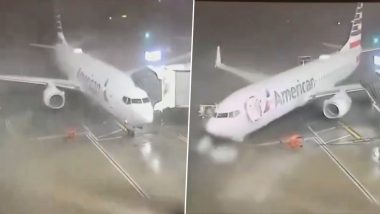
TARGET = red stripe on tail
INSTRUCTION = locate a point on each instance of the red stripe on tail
(355, 44)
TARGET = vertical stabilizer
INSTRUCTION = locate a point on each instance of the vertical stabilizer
(58, 23)
(354, 41)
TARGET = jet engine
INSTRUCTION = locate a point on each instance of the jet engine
(337, 106)
(53, 97)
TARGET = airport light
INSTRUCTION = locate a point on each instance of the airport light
(147, 35)
(375, 40)
(110, 18)
(124, 16)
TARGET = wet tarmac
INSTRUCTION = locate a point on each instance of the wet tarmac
(101, 170)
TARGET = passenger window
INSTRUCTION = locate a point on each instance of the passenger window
(222, 115)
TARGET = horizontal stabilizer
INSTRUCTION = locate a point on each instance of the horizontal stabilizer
(331, 45)
(42, 46)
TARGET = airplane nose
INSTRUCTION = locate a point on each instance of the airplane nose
(223, 129)
(147, 114)
(211, 127)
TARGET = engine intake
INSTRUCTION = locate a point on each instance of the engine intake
(53, 97)
(337, 106)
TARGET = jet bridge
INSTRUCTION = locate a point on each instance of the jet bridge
(175, 85)
(371, 84)
(372, 87)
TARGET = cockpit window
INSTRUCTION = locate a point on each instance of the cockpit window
(136, 101)
(128, 100)
(227, 115)
(145, 100)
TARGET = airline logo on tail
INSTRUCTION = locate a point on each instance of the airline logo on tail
(356, 30)
(58, 24)
(354, 41)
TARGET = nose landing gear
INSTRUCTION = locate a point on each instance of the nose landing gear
(130, 130)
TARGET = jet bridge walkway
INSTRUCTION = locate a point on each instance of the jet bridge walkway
(372, 87)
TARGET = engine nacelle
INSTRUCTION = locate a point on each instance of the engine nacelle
(337, 106)
(53, 98)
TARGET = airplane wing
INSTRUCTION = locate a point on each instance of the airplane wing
(40, 81)
(248, 76)
(347, 88)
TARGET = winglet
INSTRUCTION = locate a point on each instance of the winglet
(218, 60)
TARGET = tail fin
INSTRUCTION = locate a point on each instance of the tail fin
(58, 22)
(354, 41)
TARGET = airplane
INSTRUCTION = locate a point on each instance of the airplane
(104, 84)
(268, 98)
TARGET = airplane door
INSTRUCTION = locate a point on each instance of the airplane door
(105, 96)
(253, 108)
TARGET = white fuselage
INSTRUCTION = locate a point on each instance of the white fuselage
(256, 105)
(105, 85)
